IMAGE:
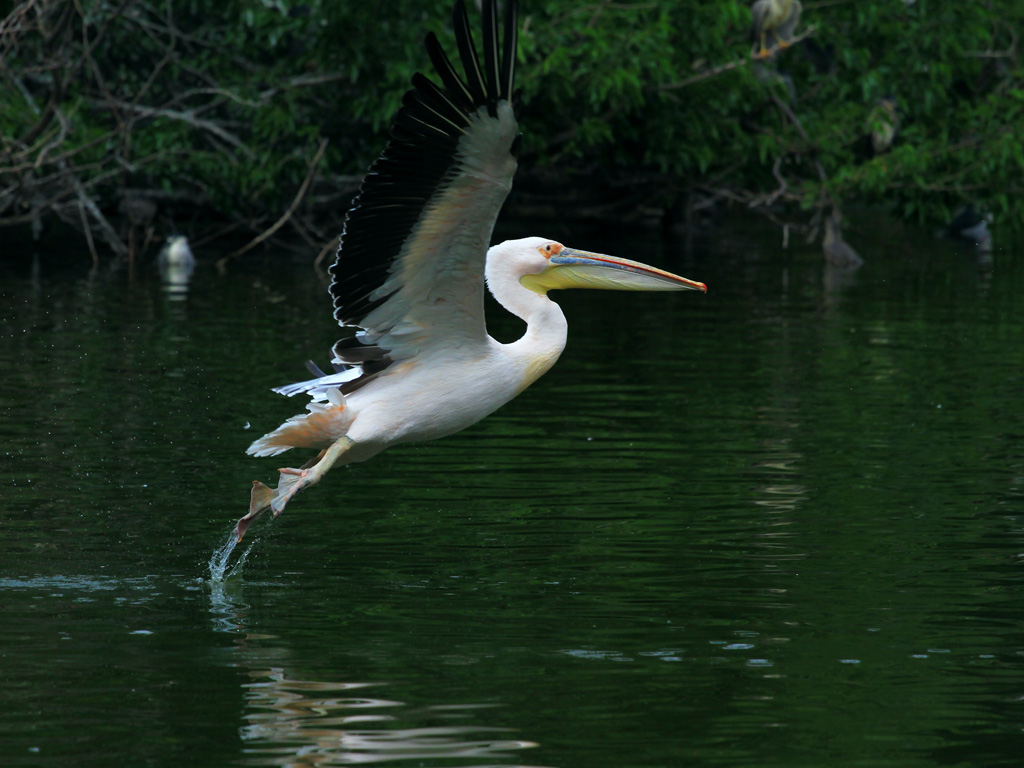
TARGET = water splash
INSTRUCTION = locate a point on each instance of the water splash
(219, 559)
(220, 569)
(227, 607)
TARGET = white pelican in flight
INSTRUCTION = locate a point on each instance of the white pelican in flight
(410, 275)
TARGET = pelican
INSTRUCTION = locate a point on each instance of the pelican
(410, 273)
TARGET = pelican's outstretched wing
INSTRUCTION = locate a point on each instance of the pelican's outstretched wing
(410, 268)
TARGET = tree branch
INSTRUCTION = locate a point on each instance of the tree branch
(714, 71)
(222, 263)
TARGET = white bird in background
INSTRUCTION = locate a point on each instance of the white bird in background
(176, 252)
(410, 273)
(176, 262)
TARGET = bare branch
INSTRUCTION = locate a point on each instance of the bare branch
(186, 117)
(88, 236)
(714, 71)
(109, 234)
(222, 263)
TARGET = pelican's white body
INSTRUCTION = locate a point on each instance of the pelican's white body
(445, 387)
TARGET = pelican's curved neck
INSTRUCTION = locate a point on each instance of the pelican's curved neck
(546, 328)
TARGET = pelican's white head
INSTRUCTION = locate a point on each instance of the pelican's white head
(510, 261)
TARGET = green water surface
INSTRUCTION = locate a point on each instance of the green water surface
(776, 525)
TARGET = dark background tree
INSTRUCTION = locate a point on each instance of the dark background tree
(128, 118)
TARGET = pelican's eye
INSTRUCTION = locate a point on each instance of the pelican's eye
(549, 250)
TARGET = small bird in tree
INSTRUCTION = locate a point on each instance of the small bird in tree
(883, 124)
(777, 18)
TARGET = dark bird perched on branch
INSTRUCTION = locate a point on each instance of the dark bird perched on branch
(777, 18)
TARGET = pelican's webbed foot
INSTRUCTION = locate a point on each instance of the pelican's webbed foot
(259, 499)
(290, 482)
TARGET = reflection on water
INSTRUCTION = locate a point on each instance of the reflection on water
(290, 721)
(301, 722)
(293, 722)
(227, 606)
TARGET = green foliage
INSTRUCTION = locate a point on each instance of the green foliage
(657, 96)
(951, 67)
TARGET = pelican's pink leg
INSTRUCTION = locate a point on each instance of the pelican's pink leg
(294, 480)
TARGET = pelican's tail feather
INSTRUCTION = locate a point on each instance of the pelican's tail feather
(319, 388)
(317, 429)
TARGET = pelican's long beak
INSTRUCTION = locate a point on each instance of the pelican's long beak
(581, 269)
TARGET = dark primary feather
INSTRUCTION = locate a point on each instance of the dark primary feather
(467, 53)
(420, 154)
(508, 61)
(492, 59)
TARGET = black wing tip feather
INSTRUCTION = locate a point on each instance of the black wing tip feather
(424, 137)
(475, 78)
(492, 59)
(510, 45)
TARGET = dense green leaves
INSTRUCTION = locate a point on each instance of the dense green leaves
(646, 101)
